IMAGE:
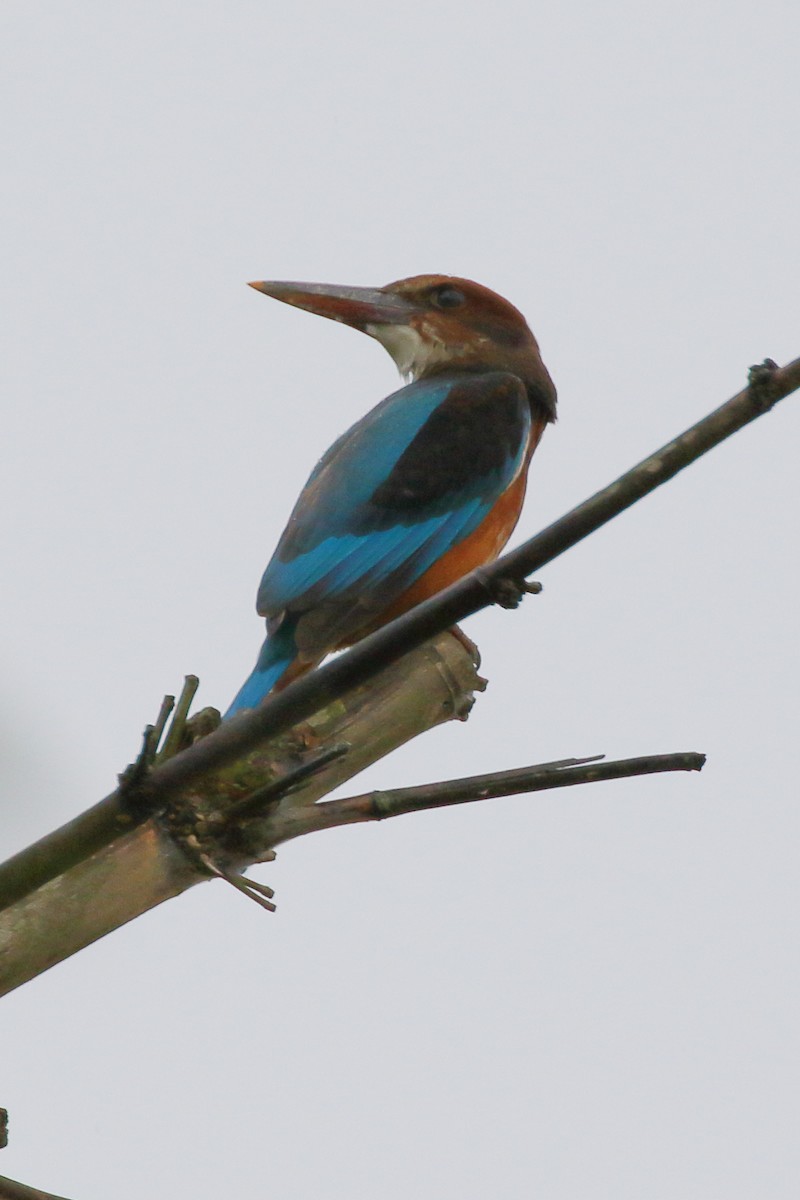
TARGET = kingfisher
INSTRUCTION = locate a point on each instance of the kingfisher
(422, 490)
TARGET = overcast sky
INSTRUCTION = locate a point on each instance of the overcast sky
(588, 994)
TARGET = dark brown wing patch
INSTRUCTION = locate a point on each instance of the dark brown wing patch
(471, 435)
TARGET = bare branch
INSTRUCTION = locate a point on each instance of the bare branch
(377, 806)
(118, 813)
(9, 1190)
(474, 592)
(89, 893)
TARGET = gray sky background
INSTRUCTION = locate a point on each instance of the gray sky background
(585, 995)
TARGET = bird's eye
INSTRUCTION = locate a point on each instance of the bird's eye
(448, 297)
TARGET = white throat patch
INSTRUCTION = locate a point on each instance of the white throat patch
(411, 352)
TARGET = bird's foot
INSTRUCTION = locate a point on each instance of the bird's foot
(507, 592)
(759, 379)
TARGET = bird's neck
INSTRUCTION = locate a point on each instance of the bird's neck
(420, 358)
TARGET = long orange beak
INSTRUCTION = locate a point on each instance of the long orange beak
(356, 306)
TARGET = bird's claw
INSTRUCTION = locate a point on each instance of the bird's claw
(507, 592)
(759, 379)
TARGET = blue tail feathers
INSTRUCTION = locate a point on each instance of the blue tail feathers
(277, 655)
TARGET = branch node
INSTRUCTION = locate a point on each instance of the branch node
(382, 805)
(131, 779)
(256, 804)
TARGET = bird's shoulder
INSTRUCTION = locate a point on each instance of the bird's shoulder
(438, 453)
(473, 438)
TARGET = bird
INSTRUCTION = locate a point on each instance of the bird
(423, 489)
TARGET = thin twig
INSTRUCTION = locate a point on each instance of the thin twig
(259, 892)
(254, 804)
(131, 778)
(167, 705)
(376, 806)
(11, 1190)
(172, 742)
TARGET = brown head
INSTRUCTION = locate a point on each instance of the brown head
(434, 323)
